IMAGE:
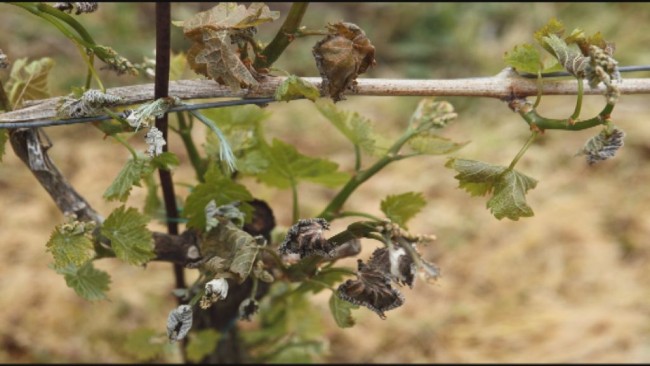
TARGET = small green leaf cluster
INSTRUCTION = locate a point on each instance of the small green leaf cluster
(75, 245)
(508, 187)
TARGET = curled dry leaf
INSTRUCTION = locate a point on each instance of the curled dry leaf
(371, 289)
(395, 263)
(211, 53)
(342, 56)
(305, 238)
(248, 308)
(179, 322)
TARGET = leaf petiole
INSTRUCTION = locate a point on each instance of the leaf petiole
(521, 152)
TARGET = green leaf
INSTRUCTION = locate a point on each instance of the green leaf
(430, 144)
(342, 311)
(129, 236)
(476, 177)
(142, 344)
(296, 352)
(216, 187)
(294, 87)
(252, 163)
(401, 208)
(509, 187)
(4, 136)
(288, 166)
(201, 344)
(524, 58)
(509, 199)
(327, 276)
(240, 124)
(70, 249)
(163, 161)
(128, 177)
(432, 114)
(553, 27)
(152, 203)
(28, 81)
(86, 281)
(177, 66)
(352, 125)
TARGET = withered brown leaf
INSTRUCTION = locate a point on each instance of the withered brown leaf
(306, 238)
(341, 56)
(372, 289)
(395, 263)
(211, 53)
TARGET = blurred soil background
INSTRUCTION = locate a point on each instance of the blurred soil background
(570, 284)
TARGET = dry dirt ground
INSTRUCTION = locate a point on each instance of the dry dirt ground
(567, 285)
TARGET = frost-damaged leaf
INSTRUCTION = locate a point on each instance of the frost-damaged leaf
(128, 177)
(202, 343)
(216, 187)
(288, 166)
(509, 199)
(86, 281)
(141, 344)
(214, 58)
(509, 187)
(372, 289)
(430, 144)
(129, 236)
(401, 208)
(569, 56)
(342, 311)
(394, 262)
(79, 7)
(4, 136)
(28, 81)
(69, 248)
(524, 58)
(603, 146)
(211, 53)
(295, 87)
(228, 247)
(179, 322)
(342, 56)
(352, 125)
(91, 103)
(305, 238)
(432, 114)
(248, 308)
